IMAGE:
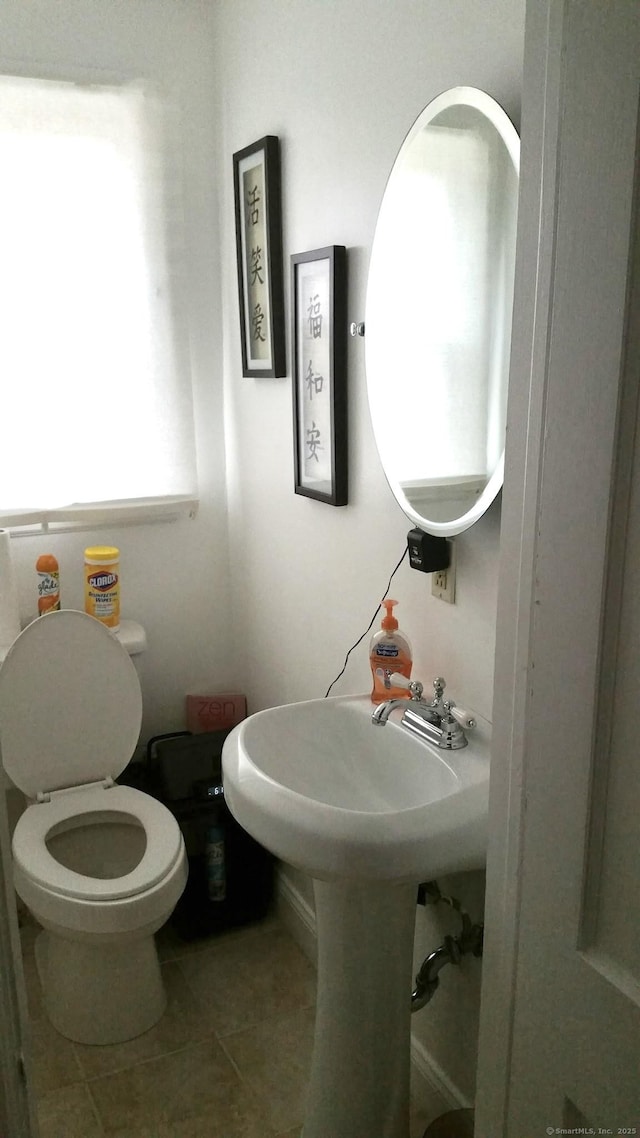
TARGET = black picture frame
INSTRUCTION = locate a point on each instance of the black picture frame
(257, 196)
(319, 348)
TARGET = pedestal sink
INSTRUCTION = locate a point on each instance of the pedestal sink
(369, 812)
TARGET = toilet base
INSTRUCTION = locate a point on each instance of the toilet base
(100, 993)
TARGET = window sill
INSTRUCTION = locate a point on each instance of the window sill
(135, 511)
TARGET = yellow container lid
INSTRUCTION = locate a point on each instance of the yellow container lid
(102, 553)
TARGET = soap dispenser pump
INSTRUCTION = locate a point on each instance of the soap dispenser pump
(390, 651)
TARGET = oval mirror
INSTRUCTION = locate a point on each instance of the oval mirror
(438, 310)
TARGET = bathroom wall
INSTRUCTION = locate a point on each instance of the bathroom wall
(340, 84)
(175, 576)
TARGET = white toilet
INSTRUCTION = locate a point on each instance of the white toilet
(100, 866)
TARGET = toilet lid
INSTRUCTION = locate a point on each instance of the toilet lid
(70, 704)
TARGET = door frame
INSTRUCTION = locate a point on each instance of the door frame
(18, 1116)
(533, 297)
(534, 543)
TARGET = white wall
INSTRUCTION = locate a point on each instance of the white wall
(340, 84)
(174, 576)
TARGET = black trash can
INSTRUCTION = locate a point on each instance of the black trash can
(230, 875)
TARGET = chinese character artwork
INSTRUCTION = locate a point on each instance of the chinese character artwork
(319, 300)
(256, 178)
(255, 263)
(313, 382)
(253, 204)
(257, 321)
(313, 442)
(315, 317)
(315, 361)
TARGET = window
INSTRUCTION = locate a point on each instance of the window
(95, 389)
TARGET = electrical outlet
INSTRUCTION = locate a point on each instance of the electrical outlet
(443, 582)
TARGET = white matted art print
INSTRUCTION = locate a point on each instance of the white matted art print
(256, 173)
(319, 374)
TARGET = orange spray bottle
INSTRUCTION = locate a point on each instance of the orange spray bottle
(390, 651)
(48, 583)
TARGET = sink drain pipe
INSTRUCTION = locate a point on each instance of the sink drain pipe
(449, 952)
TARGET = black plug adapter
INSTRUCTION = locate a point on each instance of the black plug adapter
(427, 553)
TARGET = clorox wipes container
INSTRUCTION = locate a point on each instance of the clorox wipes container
(102, 584)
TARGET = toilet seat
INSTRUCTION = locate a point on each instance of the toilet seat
(163, 849)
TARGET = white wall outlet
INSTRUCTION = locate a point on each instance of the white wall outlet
(443, 582)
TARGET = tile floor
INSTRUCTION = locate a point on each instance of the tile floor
(229, 1058)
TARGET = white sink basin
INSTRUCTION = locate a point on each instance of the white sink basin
(369, 811)
(326, 790)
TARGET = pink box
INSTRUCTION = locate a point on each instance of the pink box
(215, 712)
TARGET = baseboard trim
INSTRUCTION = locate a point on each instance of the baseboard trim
(296, 914)
(425, 1069)
(299, 919)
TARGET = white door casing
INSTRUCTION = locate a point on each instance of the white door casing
(560, 1024)
(17, 1108)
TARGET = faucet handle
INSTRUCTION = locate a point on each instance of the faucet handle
(437, 703)
(464, 718)
(454, 722)
(439, 684)
(397, 680)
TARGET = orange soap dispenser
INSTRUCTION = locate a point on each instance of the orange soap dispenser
(390, 651)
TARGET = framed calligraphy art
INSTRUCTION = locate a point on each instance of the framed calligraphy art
(319, 345)
(256, 180)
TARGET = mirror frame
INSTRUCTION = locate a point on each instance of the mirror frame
(480, 101)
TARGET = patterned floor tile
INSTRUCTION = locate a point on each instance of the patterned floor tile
(183, 1022)
(68, 1113)
(194, 1093)
(275, 1059)
(250, 980)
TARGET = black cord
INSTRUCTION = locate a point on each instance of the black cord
(369, 626)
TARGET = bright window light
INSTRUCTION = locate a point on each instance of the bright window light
(95, 391)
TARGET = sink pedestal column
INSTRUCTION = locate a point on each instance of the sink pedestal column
(360, 1070)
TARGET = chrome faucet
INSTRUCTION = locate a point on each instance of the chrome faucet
(440, 722)
(383, 710)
